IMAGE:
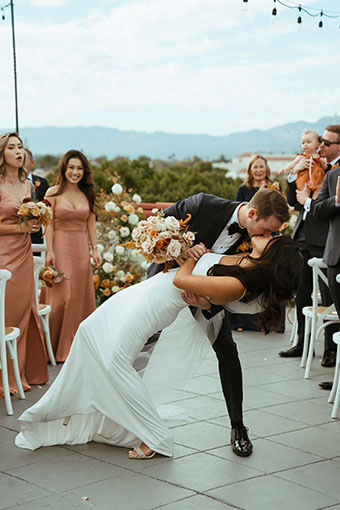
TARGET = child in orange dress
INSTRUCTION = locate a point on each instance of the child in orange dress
(314, 167)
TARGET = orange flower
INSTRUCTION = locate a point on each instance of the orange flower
(107, 292)
(124, 218)
(160, 243)
(96, 281)
(106, 283)
(129, 208)
(37, 183)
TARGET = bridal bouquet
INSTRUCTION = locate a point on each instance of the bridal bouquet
(50, 275)
(162, 239)
(40, 211)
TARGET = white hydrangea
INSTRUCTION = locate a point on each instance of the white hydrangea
(107, 267)
(120, 250)
(133, 219)
(115, 289)
(124, 231)
(136, 198)
(110, 206)
(117, 189)
(108, 256)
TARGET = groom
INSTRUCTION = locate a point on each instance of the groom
(221, 225)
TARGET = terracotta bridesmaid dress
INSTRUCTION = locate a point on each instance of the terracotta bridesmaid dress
(73, 299)
(21, 310)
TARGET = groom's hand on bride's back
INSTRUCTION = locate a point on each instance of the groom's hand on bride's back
(196, 251)
(196, 300)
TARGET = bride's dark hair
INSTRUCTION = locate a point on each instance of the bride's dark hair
(274, 277)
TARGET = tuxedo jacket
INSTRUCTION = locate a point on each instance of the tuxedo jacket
(209, 216)
(315, 228)
(324, 207)
(40, 187)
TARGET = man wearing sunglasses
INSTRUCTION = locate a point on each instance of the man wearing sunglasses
(327, 207)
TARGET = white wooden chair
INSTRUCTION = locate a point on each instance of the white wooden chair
(8, 342)
(334, 396)
(317, 317)
(43, 309)
(294, 333)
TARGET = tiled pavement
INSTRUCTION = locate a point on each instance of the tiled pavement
(295, 464)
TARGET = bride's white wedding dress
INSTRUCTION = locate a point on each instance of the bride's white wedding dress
(98, 395)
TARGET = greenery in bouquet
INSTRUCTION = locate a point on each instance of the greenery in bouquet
(118, 214)
(40, 211)
(51, 275)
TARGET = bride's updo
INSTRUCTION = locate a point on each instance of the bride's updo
(275, 276)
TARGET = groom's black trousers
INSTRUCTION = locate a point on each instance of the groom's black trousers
(230, 371)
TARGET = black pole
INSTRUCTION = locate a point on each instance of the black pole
(15, 71)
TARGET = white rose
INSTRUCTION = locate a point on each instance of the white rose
(108, 256)
(153, 220)
(121, 275)
(136, 233)
(100, 248)
(189, 236)
(112, 234)
(109, 206)
(124, 231)
(172, 223)
(117, 189)
(174, 248)
(107, 267)
(133, 219)
(136, 198)
(116, 208)
(115, 289)
(30, 205)
(147, 246)
(120, 250)
(154, 210)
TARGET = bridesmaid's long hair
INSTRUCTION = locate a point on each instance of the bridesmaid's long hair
(22, 174)
(86, 184)
(274, 277)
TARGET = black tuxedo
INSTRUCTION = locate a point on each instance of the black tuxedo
(311, 235)
(324, 207)
(40, 187)
(210, 214)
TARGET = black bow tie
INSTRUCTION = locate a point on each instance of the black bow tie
(235, 228)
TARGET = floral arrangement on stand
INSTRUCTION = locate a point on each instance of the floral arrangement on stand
(118, 214)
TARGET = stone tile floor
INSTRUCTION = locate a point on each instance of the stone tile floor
(295, 464)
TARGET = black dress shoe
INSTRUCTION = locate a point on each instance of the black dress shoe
(240, 442)
(328, 359)
(326, 385)
(293, 352)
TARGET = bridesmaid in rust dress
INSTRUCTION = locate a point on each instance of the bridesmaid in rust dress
(73, 200)
(16, 256)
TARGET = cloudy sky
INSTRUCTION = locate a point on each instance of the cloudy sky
(183, 66)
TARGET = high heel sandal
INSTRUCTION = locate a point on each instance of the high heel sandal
(140, 454)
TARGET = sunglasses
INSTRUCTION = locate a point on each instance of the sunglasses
(328, 143)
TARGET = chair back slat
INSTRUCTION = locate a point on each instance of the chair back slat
(4, 276)
(38, 263)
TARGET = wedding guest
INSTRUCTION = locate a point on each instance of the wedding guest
(73, 200)
(16, 256)
(308, 165)
(258, 176)
(40, 186)
(327, 208)
(310, 232)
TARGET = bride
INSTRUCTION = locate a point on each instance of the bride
(99, 396)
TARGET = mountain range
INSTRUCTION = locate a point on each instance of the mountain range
(98, 141)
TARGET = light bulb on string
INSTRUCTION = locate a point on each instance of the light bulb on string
(299, 20)
(320, 22)
(274, 13)
(245, 5)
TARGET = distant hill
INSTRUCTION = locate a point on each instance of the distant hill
(98, 141)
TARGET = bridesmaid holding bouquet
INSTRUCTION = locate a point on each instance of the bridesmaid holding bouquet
(16, 256)
(73, 200)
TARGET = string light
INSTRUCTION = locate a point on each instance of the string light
(3, 11)
(302, 9)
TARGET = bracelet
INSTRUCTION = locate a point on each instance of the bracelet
(94, 247)
(19, 227)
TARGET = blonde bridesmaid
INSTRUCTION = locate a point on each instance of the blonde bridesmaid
(73, 200)
(16, 256)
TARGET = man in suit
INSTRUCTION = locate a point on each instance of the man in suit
(310, 233)
(327, 206)
(40, 186)
(221, 225)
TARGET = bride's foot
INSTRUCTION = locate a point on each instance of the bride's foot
(141, 452)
